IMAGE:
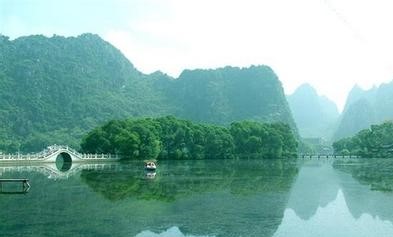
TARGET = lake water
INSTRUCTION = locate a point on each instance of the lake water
(201, 198)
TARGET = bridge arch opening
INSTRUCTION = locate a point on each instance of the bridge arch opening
(63, 161)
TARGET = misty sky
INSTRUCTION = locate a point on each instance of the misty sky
(331, 44)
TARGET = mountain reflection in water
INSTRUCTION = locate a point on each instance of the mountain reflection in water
(217, 197)
(205, 198)
(327, 202)
(171, 232)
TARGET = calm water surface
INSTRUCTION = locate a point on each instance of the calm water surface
(201, 198)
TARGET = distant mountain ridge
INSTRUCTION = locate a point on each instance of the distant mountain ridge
(364, 108)
(54, 90)
(314, 115)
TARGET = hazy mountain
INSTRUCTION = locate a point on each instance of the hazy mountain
(353, 95)
(359, 115)
(314, 115)
(365, 107)
(230, 94)
(53, 90)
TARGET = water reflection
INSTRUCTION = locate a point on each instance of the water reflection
(377, 173)
(316, 186)
(150, 174)
(215, 198)
(372, 192)
(54, 170)
(176, 179)
(326, 201)
(201, 198)
(335, 219)
(171, 232)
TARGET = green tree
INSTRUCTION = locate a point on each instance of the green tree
(171, 138)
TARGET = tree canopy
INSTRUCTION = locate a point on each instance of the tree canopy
(375, 142)
(171, 138)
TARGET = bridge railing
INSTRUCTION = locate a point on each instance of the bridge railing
(86, 155)
(71, 150)
(20, 156)
(43, 155)
(99, 156)
(309, 156)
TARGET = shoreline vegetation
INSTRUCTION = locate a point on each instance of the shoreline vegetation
(374, 142)
(171, 138)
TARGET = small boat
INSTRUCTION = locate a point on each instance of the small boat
(150, 165)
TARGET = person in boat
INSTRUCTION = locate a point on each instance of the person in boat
(150, 165)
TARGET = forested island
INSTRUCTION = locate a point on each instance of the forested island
(375, 142)
(172, 138)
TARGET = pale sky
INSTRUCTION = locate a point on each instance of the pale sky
(331, 44)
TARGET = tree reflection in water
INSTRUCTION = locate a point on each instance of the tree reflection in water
(176, 179)
(211, 198)
(377, 173)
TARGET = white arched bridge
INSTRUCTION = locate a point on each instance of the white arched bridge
(54, 153)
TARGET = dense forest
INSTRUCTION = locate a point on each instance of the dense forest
(54, 90)
(171, 138)
(375, 142)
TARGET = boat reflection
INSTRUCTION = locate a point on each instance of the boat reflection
(150, 175)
